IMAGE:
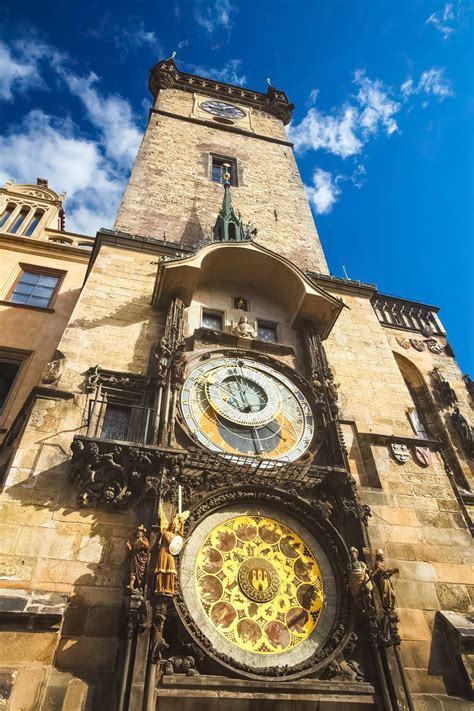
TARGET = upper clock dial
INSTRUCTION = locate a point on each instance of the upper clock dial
(242, 407)
(219, 108)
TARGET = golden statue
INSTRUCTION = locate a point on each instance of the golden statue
(358, 573)
(381, 575)
(139, 555)
(171, 542)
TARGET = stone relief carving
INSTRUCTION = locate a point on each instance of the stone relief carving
(469, 383)
(433, 346)
(422, 456)
(403, 342)
(382, 577)
(417, 345)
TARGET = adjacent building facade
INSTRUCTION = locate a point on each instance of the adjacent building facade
(230, 479)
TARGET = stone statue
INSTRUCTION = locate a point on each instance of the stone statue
(180, 665)
(244, 329)
(170, 544)
(140, 554)
(464, 430)
(382, 575)
(358, 574)
(163, 359)
(179, 364)
(54, 369)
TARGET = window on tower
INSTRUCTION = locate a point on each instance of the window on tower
(212, 320)
(267, 331)
(221, 164)
(35, 287)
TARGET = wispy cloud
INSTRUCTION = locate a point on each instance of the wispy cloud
(230, 73)
(345, 131)
(214, 15)
(93, 171)
(127, 38)
(432, 81)
(323, 192)
(446, 20)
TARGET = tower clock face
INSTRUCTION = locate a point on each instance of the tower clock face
(238, 406)
(220, 108)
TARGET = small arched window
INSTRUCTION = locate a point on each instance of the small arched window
(33, 223)
(24, 212)
(7, 213)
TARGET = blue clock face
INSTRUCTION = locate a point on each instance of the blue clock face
(219, 108)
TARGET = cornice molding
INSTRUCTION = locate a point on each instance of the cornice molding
(166, 75)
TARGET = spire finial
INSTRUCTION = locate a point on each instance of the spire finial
(173, 55)
(269, 81)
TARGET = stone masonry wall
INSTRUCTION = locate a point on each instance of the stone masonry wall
(48, 544)
(170, 192)
(416, 518)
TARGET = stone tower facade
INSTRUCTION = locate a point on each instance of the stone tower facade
(249, 483)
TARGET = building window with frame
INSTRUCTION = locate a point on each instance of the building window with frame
(219, 165)
(10, 364)
(116, 423)
(7, 213)
(35, 288)
(267, 331)
(212, 320)
(18, 222)
(33, 223)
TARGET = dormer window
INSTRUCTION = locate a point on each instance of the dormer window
(267, 331)
(212, 320)
(219, 165)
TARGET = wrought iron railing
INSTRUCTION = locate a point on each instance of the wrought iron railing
(123, 422)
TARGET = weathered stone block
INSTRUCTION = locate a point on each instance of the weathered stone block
(87, 653)
(27, 647)
(413, 625)
(452, 596)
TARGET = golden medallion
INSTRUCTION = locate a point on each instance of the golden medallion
(259, 584)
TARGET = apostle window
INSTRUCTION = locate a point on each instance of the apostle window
(6, 214)
(35, 288)
(212, 320)
(267, 331)
(220, 165)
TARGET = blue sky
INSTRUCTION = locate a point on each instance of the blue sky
(383, 126)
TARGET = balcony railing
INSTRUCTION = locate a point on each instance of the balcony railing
(123, 422)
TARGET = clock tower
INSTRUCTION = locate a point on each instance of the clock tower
(249, 483)
(195, 126)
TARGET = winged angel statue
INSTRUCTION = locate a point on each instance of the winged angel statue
(170, 545)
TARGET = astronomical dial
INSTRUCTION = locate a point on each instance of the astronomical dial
(219, 108)
(238, 406)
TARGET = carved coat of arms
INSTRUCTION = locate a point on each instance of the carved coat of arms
(434, 346)
(422, 456)
(403, 342)
(417, 345)
(400, 452)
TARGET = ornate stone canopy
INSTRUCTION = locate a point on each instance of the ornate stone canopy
(245, 263)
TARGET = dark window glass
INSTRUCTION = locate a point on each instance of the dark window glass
(8, 372)
(19, 220)
(220, 166)
(33, 223)
(6, 214)
(34, 289)
(212, 320)
(267, 331)
(116, 422)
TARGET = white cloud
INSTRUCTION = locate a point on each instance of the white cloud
(313, 95)
(51, 147)
(324, 191)
(93, 172)
(19, 67)
(229, 74)
(214, 15)
(446, 21)
(377, 108)
(112, 116)
(333, 133)
(432, 81)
